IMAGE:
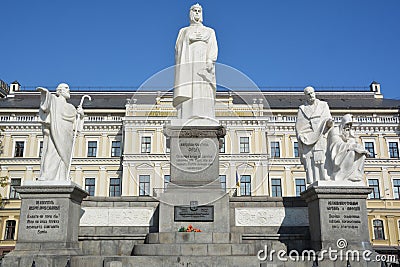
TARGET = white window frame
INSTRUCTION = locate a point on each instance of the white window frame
(151, 143)
(243, 133)
(270, 147)
(87, 147)
(15, 143)
(120, 148)
(282, 186)
(393, 140)
(38, 146)
(298, 149)
(371, 140)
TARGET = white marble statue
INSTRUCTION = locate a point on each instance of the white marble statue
(58, 118)
(196, 51)
(314, 121)
(345, 157)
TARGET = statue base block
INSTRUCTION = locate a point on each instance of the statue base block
(338, 217)
(49, 225)
(194, 195)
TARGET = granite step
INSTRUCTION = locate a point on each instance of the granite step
(194, 249)
(192, 238)
(162, 261)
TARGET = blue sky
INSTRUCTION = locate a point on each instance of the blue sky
(276, 43)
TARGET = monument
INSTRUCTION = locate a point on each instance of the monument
(313, 123)
(50, 207)
(336, 198)
(194, 195)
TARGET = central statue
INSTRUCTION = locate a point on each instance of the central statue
(196, 51)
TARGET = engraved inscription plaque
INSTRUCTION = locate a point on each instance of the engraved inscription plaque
(200, 214)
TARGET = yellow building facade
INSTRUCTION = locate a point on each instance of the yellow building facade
(122, 150)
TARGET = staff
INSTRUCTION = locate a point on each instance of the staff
(76, 131)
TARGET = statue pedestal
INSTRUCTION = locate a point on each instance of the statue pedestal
(194, 195)
(338, 217)
(49, 224)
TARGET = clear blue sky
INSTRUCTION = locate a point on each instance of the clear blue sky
(276, 43)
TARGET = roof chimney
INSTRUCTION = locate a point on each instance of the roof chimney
(376, 88)
(14, 87)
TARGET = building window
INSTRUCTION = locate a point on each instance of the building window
(296, 149)
(144, 185)
(10, 230)
(90, 185)
(393, 150)
(276, 187)
(40, 148)
(244, 145)
(167, 179)
(92, 149)
(167, 144)
(275, 150)
(222, 144)
(115, 148)
(369, 146)
(19, 149)
(379, 233)
(222, 180)
(115, 187)
(245, 185)
(374, 183)
(396, 188)
(146, 144)
(300, 186)
(13, 193)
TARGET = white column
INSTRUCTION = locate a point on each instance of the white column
(103, 182)
(287, 183)
(31, 146)
(103, 146)
(78, 177)
(386, 184)
(126, 183)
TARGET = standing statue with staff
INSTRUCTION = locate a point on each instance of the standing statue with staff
(196, 51)
(59, 121)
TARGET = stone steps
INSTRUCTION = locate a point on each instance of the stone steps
(194, 249)
(192, 238)
(163, 261)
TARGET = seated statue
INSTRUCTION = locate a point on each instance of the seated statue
(345, 157)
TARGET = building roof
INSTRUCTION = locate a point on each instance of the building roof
(270, 99)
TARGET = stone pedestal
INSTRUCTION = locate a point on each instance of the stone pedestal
(338, 216)
(194, 195)
(49, 225)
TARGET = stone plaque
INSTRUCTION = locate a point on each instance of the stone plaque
(271, 216)
(195, 154)
(194, 214)
(344, 214)
(113, 216)
(43, 218)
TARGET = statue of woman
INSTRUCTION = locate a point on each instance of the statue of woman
(196, 51)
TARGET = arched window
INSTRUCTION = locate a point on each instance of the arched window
(10, 230)
(379, 233)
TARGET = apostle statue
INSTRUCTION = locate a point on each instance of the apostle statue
(345, 155)
(314, 121)
(58, 118)
(196, 51)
